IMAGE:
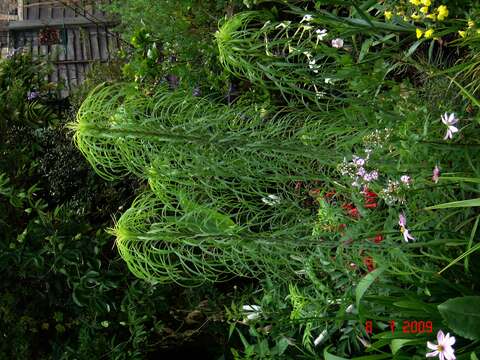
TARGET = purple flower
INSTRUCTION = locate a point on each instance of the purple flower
(435, 174)
(373, 175)
(402, 222)
(406, 179)
(443, 349)
(449, 121)
(361, 172)
(337, 43)
(32, 95)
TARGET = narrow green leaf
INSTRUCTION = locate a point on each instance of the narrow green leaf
(412, 48)
(459, 178)
(473, 356)
(365, 283)
(466, 92)
(466, 253)
(462, 315)
(470, 242)
(456, 204)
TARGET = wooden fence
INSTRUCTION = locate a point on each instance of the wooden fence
(73, 34)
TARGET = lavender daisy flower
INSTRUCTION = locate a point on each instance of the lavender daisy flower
(402, 222)
(435, 174)
(449, 121)
(443, 349)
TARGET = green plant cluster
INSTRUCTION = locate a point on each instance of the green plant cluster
(64, 293)
(172, 41)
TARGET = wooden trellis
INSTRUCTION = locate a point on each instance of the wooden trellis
(72, 33)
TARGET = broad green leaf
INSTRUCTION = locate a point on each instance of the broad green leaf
(462, 315)
(397, 344)
(365, 283)
(456, 204)
(329, 356)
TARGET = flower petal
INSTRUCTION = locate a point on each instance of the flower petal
(450, 340)
(432, 354)
(432, 346)
(440, 336)
(449, 353)
(441, 356)
(453, 129)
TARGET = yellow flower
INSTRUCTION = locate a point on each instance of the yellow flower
(428, 33)
(427, 2)
(462, 33)
(471, 24)
(415, 2)
(424, 9)
(442, 12)
(388, 15)
(419, 33)
(415, 16)
(432, 17)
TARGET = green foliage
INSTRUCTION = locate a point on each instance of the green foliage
(20, 76)
(174, 39)
(462, 315)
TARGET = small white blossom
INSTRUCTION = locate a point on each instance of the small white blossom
(337, 43)
(252, 311)
(443, 349)
(321, 34)
(449, 121)
(306, 18)
(328, 81)
(271, 200)
(406, 179)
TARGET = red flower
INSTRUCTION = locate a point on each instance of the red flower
(370, 199)
(330, 194)
(368, 262)
(351, 210)
(378, 239)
